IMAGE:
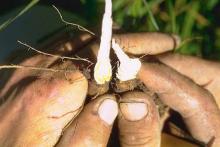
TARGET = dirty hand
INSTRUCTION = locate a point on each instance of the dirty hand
(194, 99)
(45, 105)
(188, 85)
(39, 108)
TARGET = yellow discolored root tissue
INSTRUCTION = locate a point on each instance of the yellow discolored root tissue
(103, 68)
(103, 71)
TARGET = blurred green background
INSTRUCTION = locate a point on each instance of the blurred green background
(197, 22)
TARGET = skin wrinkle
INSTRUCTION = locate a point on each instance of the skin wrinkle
(140, 137)
(141, 141)
(207, 84)
(89, 142)
(63, 115)
(214, 88)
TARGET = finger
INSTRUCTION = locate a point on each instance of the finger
(147, 43)
(196, 105)
(93, 126)
(203, 72)
(138, 43)
(42, 108)
(61, 47)
(67, 43)
(138, 121)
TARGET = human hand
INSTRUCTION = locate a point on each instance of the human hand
(197, 101)
(132, 126)
(188, 85)
(39, 108)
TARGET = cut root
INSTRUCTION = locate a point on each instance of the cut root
(128, 67)
(103, 68)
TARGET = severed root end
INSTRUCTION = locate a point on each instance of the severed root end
(129, 67)
(103, 68)
(128, 70)
(103, 71)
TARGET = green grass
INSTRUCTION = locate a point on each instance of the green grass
(24, 10)
(193, 20)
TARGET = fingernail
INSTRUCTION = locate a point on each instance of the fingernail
(108, 110)
(133, 111)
